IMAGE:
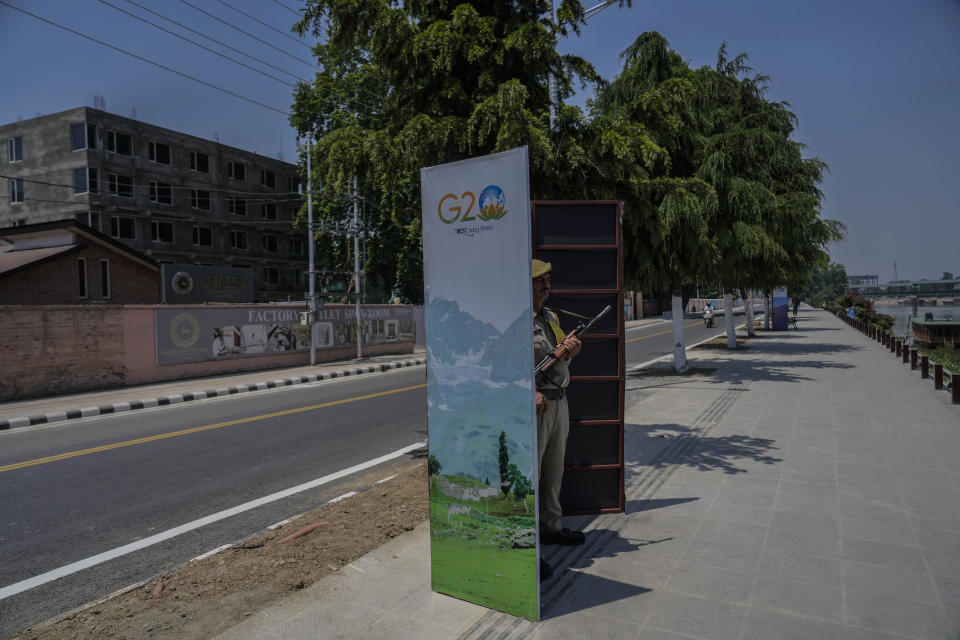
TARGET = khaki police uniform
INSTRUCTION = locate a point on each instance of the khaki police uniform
(553, 424)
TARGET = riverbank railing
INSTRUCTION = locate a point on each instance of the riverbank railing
(943, 379)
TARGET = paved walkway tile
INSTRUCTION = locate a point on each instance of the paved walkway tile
(807, 488)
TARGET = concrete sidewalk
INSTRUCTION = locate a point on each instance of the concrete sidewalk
(803, 487)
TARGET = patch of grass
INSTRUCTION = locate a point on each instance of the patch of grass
(949, 357)
(471, 549)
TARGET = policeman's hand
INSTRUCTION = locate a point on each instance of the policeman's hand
(541, 403)
(571, 345)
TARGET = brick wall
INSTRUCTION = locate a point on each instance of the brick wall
(56, 281)
(59, 349)
(69, 348)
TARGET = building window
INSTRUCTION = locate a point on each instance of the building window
(238, 239)
(161, 231)
(269, 211)
(89, 218)
(271, 275)
(236, 170)
(121, 186)
(199, 162)
(104, 278)
(268, 178)
(161, 193)
(238, 206)
(82, 277)
(200, 199)
(158, 152)
(83, 136)
(121, 227)
(293, 184)
(15, 149)
(86, 180)
(296, 276)
(269, 242)
(16, 190)
(121, 143)
(20, 222)
(202, 237)
(296, 246)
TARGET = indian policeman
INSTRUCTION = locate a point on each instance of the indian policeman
(553, 418)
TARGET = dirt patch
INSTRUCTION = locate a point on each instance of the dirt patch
(721, 343)
(206, 597)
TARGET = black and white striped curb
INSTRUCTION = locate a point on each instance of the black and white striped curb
(177, 398)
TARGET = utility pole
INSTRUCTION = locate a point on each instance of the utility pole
(356, 263)
(312, 300)
(552, 83)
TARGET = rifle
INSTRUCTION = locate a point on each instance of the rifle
(547, 361)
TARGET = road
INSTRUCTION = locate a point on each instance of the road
(123, 493)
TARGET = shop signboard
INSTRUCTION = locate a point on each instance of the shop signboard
(480, 401)
(190, 283)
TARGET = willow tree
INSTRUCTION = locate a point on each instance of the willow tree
(744, 136)
(768, 229)
(668, 209)
(402, 86)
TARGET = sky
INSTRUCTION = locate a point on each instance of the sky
(875, 86)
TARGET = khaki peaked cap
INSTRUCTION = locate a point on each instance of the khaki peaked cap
(540, 268)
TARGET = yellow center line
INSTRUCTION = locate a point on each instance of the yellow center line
(184, 432)
(662, 333)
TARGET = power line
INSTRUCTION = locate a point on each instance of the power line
(197, 44)
(222, 44)
(293, 11)
(142, 59)
(285, 35)
(246, 33)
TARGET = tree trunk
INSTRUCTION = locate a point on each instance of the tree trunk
(768, 310)
(728, 321)
(748, 305)
(679, 350)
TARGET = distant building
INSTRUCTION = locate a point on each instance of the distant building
(862, 280)
(174, 197)
(66, 262)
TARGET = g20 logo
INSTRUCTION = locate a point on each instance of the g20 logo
(492, 205)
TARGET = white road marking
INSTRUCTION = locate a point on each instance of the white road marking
(80, 565)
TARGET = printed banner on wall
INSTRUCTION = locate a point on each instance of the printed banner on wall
(482, 425)
(198, 335)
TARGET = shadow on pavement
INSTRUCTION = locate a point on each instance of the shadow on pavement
(636, 506)
(590, 591)
(706, 453)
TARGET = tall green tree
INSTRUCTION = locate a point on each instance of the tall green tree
(402, 86)
(827, 284)
(668, 209)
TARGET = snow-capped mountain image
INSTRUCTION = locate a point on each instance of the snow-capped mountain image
(479, 383)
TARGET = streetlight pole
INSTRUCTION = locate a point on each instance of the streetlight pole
(312, 300)
(356, 263)
(552, 86)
